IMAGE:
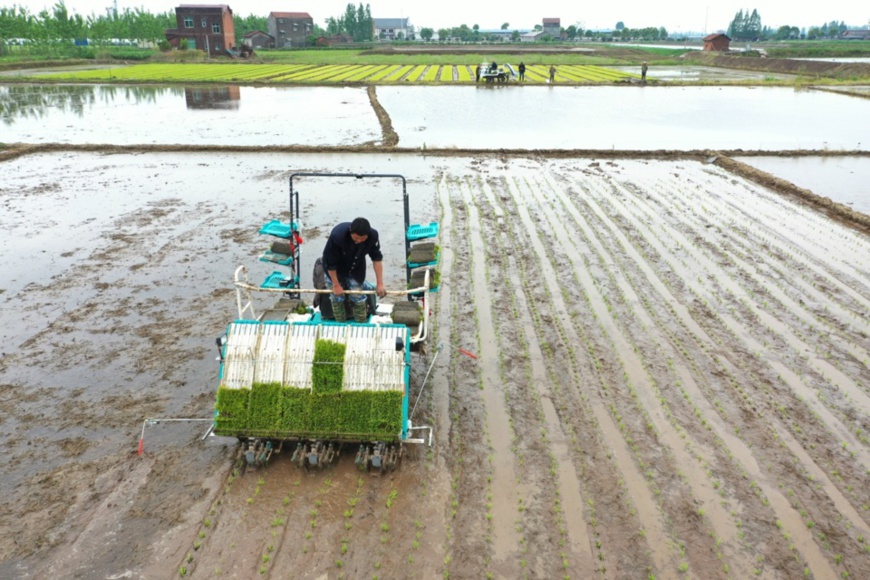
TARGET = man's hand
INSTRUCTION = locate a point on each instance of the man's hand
(379, 277)
(337, 290)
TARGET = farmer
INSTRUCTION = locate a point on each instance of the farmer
(477, 74)
(552, 73)
(344, 266)
(643, 69)
(522, 71)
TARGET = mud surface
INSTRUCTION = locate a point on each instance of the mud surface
(805, 68)
(672, 373)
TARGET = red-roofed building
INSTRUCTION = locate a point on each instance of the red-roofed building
(258, 39)
(717, 42)
(205, 27)
(290, 28)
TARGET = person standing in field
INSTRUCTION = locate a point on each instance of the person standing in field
(522, 71)
(477, 74)
(552, 73)
(643, 69)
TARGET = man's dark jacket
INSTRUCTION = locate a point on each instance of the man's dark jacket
(346, 257)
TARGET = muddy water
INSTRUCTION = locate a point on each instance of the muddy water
(843, 179)
(700, 73)
(512, 117)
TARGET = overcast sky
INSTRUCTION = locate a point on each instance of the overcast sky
(674, 15)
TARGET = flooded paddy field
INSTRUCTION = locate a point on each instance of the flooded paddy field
(480, 117)
(843, 179)
(233, 115)
(673, 373)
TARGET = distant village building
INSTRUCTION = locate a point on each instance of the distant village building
(290, 28)
(553, 27)
(205, 27)
(258, 39)
(717, 42)
(855, 35)
(531, 36)
(393, 29)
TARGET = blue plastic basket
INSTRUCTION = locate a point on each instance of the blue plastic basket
(277, 280)
(421, 231)
(279, 229)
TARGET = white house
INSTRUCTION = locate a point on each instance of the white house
(393, 29)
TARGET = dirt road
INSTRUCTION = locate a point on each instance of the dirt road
(673, 376)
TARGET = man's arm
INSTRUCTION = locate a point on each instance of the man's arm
(336, 285)
(379, 278)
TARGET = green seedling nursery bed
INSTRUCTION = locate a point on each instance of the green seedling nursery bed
(324, 411)
(273, 410)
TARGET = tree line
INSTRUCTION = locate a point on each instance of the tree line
(463, 33)
(747, 26)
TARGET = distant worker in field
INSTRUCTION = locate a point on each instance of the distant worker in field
(477, 74)
(643, 68)
(552, 73)
(522, 71)
(493, 67)
(344, 266)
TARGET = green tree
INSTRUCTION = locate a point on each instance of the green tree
(515, 36)
(571, 32)
(753, 26)
(248, 24)
(505, 26)
(426, 34)
(443, 34)
(620, 25)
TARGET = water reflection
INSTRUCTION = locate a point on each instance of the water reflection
(35, 101)
(212, 97)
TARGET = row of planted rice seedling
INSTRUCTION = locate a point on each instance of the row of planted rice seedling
(330, 73)
(326, 410)
(320, 73)
(586, 73)
(364, 73)
(432, 74)
(388, 72)
(464, 74)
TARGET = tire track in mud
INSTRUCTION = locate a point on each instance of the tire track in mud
(788, 516)
(635, 487)
(681, 376)
(813, 461)
(818, 274)
(499, 432)
(635, 405)
(611, 247)
(838, 333)
(444, 316)
(705, 263)
(550, 493)
(640, 226)
(569, 494)
(470, 445)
